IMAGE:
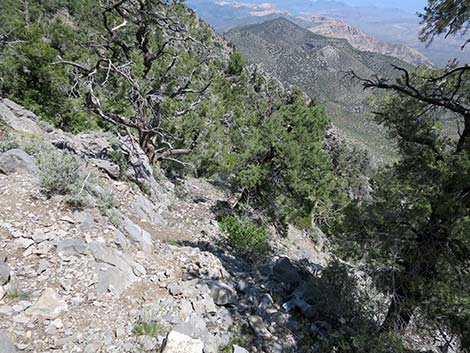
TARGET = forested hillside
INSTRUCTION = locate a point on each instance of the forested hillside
(160, 194)
(319, 65)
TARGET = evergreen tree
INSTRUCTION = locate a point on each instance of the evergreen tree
(414, 233)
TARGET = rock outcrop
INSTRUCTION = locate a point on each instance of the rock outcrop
(330, 27)
(16, 160)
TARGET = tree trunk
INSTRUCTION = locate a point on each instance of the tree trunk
(399, 313)
(26, 14)
(420, 267)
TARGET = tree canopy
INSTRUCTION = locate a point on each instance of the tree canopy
(448, 17)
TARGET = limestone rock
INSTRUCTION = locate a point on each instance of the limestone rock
(285, 272)
(146, 210)
(176, 342)
(39, 237)
(6, 346)
(4, 273)
(238, 349)
(16, 160)
(18, 118)
(110, 168)
(117, 274)
(137, 235)
(258, 325)
(50, 305)
(43, 266)
(72, 246)
(222, 293)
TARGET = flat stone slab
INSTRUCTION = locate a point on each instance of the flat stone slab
(50, 305)
(176, 342)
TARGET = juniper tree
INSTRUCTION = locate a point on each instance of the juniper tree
(414, 233)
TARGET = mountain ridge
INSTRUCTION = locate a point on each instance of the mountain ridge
(319, 65)
(334, 28)
(391, 25)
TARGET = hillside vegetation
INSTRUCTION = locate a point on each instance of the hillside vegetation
(319, 65)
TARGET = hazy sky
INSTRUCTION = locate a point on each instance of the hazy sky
(408, 5)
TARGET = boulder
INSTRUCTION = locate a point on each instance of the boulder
(43, 266)
(110, 168)
(137, 235)
(18, 118)
(285, 272)
(72, 247)
(146, 210)
(50, 305)
(117, 272)
(176, 342)
(222, 293)
(6, 346)
(238, 349)
(16, 160)
(4, 273)
(259, 327)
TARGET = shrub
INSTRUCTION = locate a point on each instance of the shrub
(7, 140)
(236, 64)
(60, 173)
(344, 314)
(149, 329)
(15, 293)
(245, 236)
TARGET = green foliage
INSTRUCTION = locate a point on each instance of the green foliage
(61, 173)
(28, 77)
(236, 64)
(449, 17)
(27, 71)
(152, 329)
(14, 293)
(263, 140)
(344, 315)
(268, 143)
(7, 140)
(413, 231)
(244, 236)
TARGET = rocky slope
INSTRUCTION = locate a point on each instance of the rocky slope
(330, 27)
(319, 66)
(148, 273)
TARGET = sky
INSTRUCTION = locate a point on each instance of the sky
(407, 5)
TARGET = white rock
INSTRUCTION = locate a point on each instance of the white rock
(238, 349)
(176, 342)
(4, 273)
(6, 346)
(21, 319)
(57, 323)
(44, 248)
(21, 306)
(43, 266)
(50, 305)
(24, 243)
(39, 237)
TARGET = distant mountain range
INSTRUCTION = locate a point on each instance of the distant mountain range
(390, 26)
(318, 64)
(330, 27)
